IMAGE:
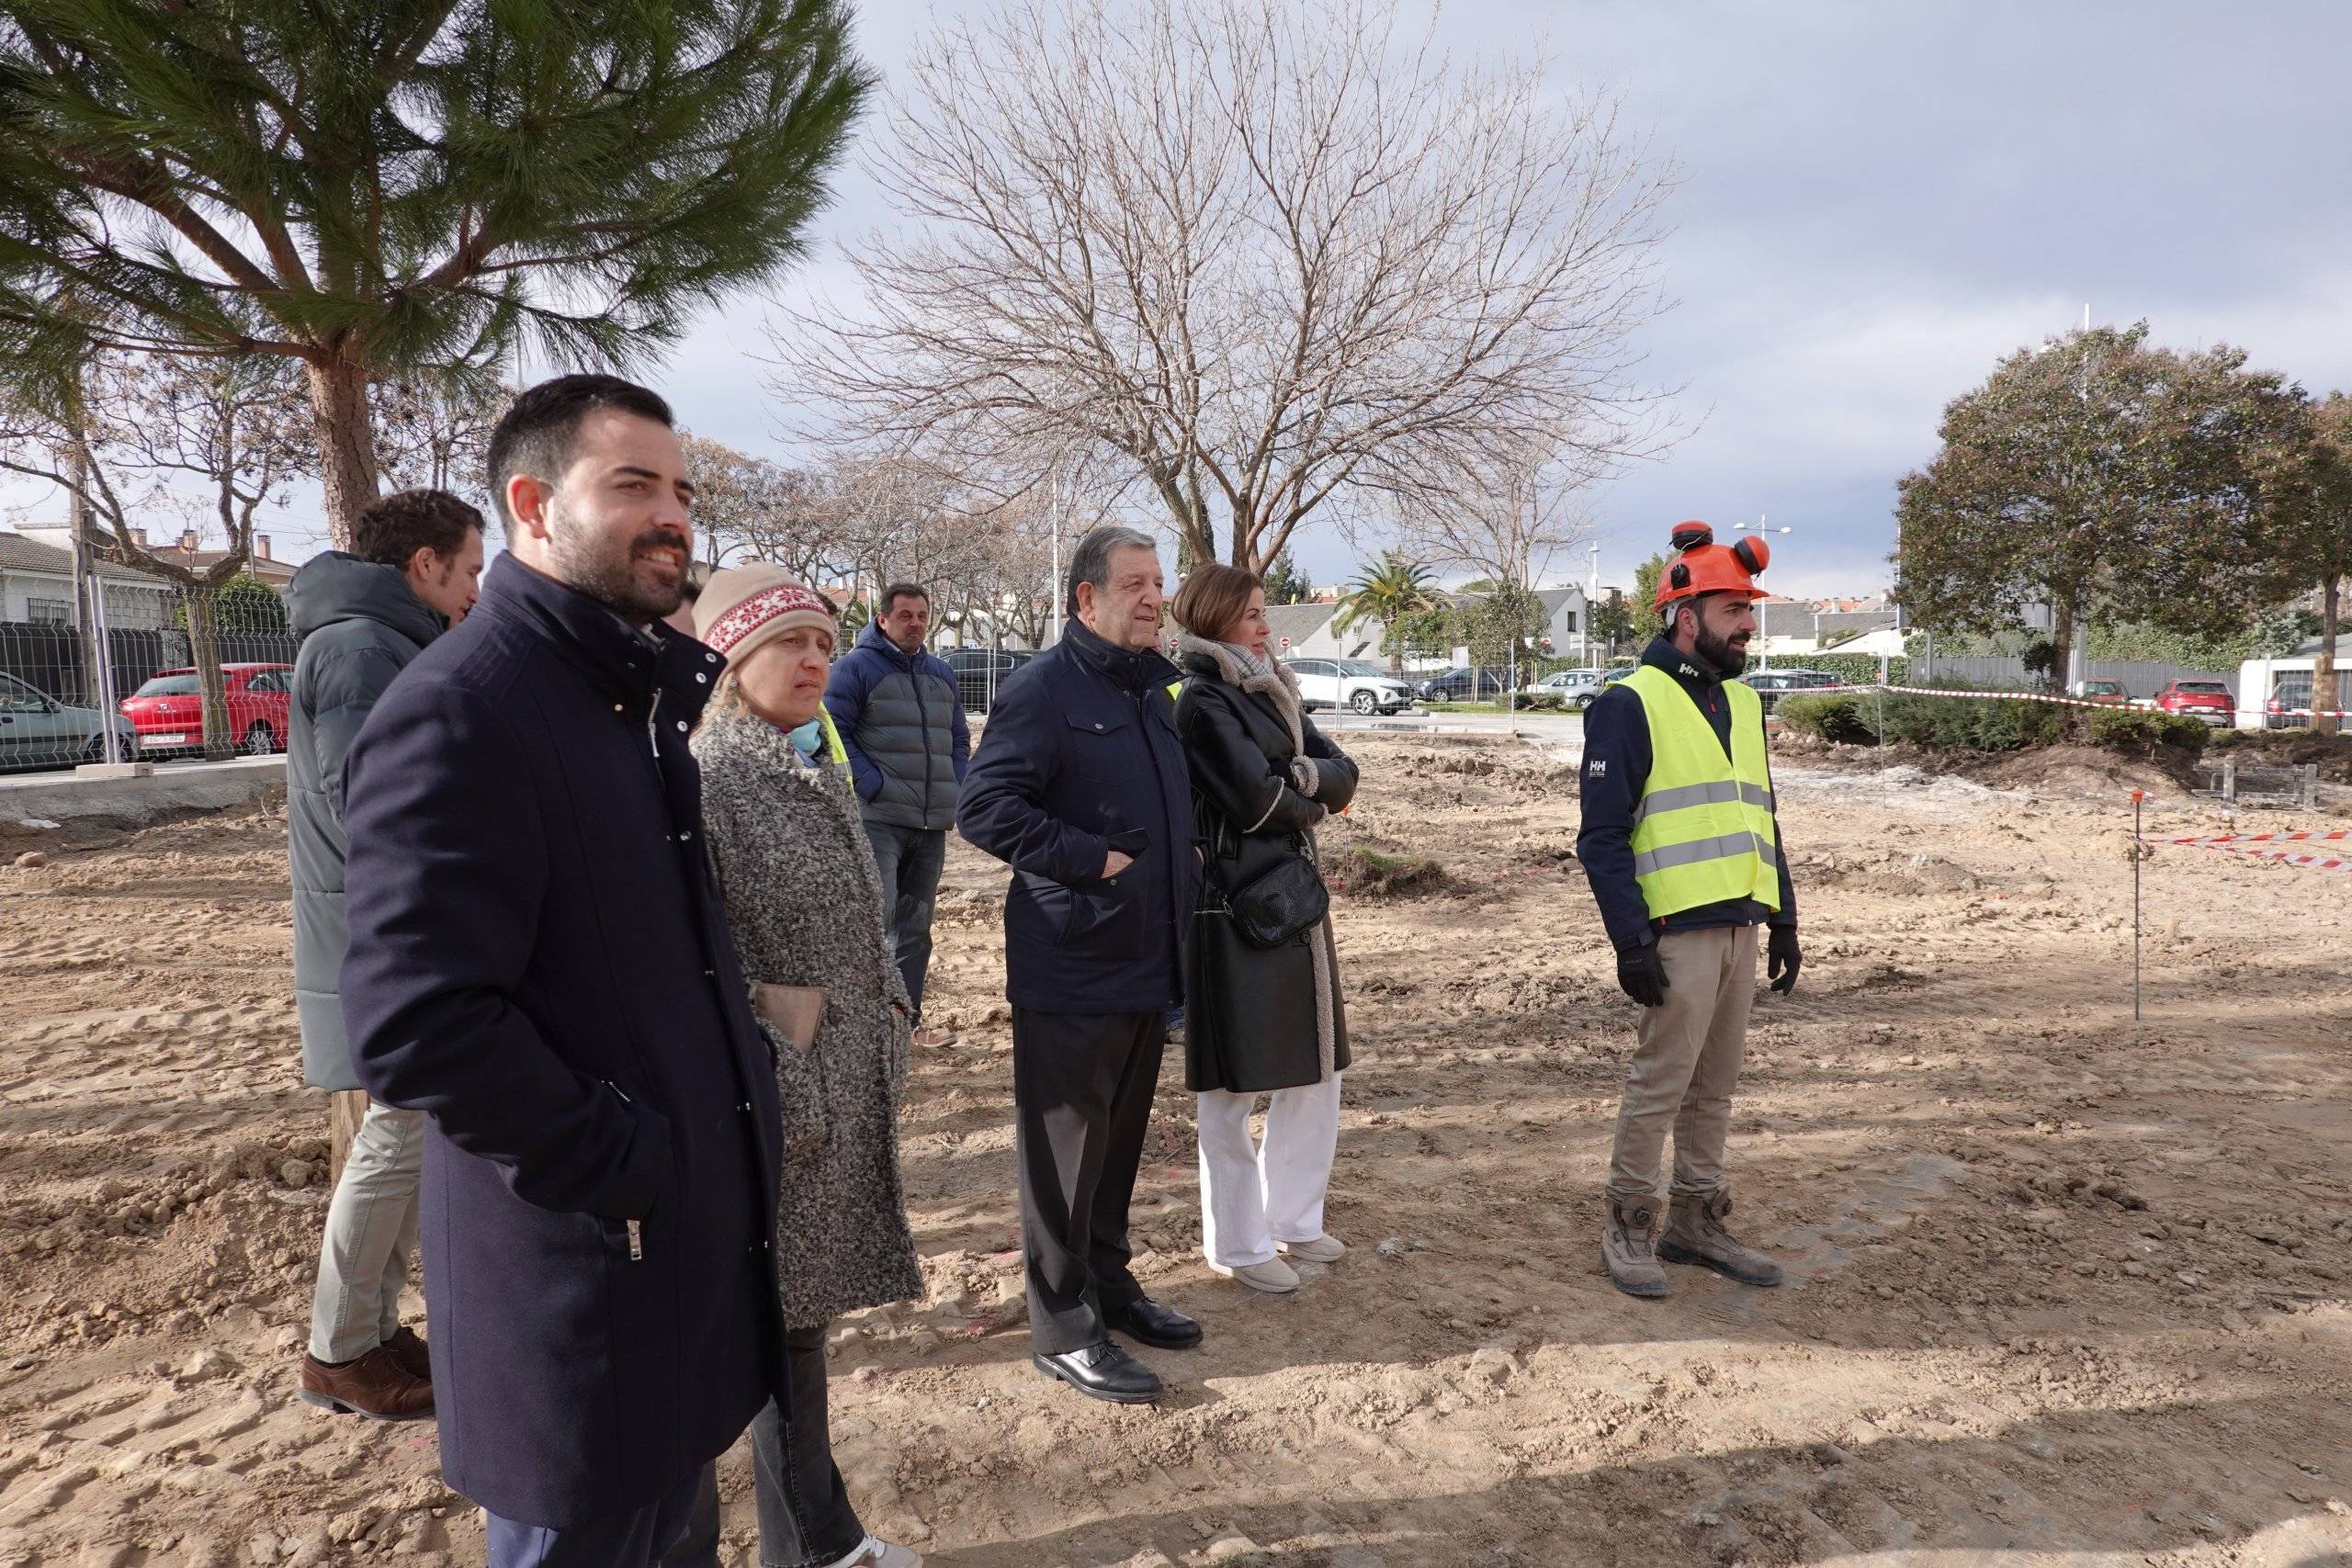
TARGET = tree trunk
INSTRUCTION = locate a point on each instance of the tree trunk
(2062, 644)
(347, 441)
(204, 652)
(2323, 693)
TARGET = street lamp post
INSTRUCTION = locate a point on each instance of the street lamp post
(1591, 601)
(1763, 609)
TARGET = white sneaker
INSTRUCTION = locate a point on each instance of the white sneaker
(1322, 1249)
(876, 1552)
(1274, 1277)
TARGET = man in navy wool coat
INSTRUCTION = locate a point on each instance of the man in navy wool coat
(540, 962)
(1081, 785)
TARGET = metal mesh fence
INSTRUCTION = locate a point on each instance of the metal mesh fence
(185, 672)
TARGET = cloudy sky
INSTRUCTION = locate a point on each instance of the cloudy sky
(1877, 200)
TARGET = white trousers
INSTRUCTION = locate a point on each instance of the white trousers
(1254, 1195)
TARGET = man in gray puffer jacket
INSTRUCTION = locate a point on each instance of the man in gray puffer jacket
(414, 562)
(902, 724)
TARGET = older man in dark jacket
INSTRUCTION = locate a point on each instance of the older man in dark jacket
(415, 560)
(1081, 784)
(540, 962)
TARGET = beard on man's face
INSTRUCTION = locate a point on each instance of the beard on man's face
(614, 573)
(1728, 655)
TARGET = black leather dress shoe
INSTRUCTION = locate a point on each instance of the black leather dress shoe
(1163, 1327)
(1102, 1371)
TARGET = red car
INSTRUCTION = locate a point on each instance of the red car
(2207, 700)
(168, 711)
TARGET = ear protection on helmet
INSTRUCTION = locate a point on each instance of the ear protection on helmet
(1754, 554)
(1690, 536)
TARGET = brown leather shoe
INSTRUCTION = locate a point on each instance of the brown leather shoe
(408, 1347)
(376, 1386)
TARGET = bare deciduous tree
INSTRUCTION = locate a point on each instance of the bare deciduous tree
(432, 429)
(1268, 252)
(206, 439)
(1506, 520)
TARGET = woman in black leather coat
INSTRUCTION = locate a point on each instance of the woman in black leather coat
(1260, 1020)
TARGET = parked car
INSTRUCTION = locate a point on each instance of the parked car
(39, 731)
(980, 671)
(1465, 684)
(2100, 692)
(2291, 702)
(1575, 688)
(1772, 685)
(2207, 700)
(1349, 683)
(168, 711)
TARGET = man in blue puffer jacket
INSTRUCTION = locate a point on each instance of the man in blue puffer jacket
(902, 725)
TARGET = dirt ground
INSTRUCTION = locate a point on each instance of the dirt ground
(2066, 1289)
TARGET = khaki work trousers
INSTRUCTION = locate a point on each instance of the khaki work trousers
(1686, 1063)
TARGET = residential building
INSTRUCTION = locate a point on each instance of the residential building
(37, 585)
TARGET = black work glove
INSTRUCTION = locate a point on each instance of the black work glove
(1642, 974)
(1782, 959)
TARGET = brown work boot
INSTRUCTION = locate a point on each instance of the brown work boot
(408, 1347)
(1625, 1249)
(376, 1386)
(1695, 1234)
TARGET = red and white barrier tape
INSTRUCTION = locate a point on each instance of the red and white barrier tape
(2039, 697)
(2259, 846)
(2339, 833)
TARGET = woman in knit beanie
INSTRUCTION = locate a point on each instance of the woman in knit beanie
(804, 906)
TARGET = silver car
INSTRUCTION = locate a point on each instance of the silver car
(1349, 683)
(39, 731)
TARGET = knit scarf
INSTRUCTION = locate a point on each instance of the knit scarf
(1270, 679)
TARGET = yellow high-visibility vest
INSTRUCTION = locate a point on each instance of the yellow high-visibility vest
(1703, 829)
(834, 750)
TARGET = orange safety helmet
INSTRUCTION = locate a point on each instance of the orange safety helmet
(1701, 566)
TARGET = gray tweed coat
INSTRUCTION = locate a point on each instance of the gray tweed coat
(805, 908)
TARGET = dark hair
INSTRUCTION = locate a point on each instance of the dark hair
(390, 529)
(1090, 562)
(1213, 599)
(536, 434)
(899, 591)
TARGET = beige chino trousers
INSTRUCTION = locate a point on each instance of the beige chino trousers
(1686, 1063)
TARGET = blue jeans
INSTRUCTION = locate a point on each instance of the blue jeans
(908, 859)
(680, 1531)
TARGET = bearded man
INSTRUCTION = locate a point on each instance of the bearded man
(539, 963)
(1682, 849)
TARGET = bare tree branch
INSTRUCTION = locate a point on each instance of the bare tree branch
(1264, 252)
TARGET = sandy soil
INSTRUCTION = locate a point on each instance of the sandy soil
(2066, 1290)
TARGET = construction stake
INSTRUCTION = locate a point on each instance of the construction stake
(2137, 855)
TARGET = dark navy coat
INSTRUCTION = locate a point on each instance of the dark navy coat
(1079, 756)
(540, 961)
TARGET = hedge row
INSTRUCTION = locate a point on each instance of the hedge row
(1984, 724)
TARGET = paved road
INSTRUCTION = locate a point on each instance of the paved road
(1552, 729)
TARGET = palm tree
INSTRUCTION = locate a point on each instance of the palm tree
(1392, 588)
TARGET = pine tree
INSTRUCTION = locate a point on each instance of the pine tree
(1284, 584)
(369, 188)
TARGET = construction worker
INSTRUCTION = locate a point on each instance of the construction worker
(1684, 855)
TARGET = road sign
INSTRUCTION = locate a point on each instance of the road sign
(1286, 642)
